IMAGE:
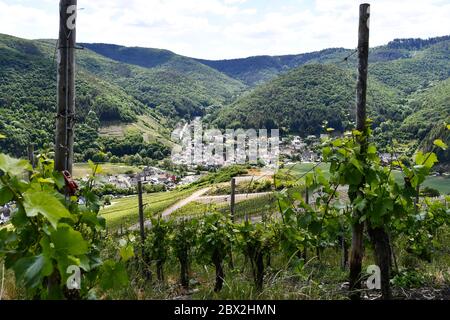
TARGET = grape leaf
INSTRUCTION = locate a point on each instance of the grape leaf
(68, 241)
(40, 202)
(13, 166)
(32, 270)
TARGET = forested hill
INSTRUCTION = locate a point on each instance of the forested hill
(259, 69)
(150, 89)
(176, 85)
(108, 90)
(300, 100)
(408, 91)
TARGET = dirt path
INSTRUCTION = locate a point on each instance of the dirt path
(198, 196)
(180, 204)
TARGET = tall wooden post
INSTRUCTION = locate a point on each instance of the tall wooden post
(145, 259)
(31, 159)
(31, 155)
(356, 254)
(141, 215)
(233, 199)
(66, 86)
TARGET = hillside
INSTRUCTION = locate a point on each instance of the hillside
(114, 92)
(175, 85)
(302, 99)
(28, 96)
(408, 93)
(260, 69)
(124, 91)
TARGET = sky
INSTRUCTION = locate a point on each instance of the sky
(224, 29)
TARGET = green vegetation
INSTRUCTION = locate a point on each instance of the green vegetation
(301, 100)
(293, 172)
(113, 91)
(124, 211)
(175, 85)
(53, 236)
(221, 175)
(81, 170)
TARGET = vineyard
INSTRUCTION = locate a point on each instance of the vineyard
(354, 207)
(280, 246)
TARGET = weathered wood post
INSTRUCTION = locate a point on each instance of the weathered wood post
(144, 256)
(66, 86)
(356, 254)
(233, 199)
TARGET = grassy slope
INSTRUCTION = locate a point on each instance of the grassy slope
(80, 170)
(151, 129)
(124, 211)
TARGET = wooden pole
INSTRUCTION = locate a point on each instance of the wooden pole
(356, 254)
(141, 215)
(233, 199)
(144, 256)
(66, 86)
(31, 155)
(31, 158)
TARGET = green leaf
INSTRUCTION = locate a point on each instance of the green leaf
(36, 202)
(360, 204)
(68, 241)
(2, 136)
(357, 164)
(13, 166)
(6, 195)
(439, 143)
(46, 181)
(372, 149)
(431, 160)
(96, 168)
(126, 253)
(32, 270)
(114, 275)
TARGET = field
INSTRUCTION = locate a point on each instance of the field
(441, 183)
(124, 211)
(150, 128)
(81, 170)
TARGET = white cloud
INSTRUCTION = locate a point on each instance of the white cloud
(230, 28)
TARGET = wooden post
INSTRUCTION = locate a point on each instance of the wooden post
(66, 86)
(31, 155)
(141, 215)
(233, 199)
(144, 256)
(356, 254)
(31, 158)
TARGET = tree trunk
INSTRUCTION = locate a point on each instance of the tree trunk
(160, 270)
(217, 260)
(184, 272)
(344, 258)
(259, 271)
(380, 241)
(356, 257)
